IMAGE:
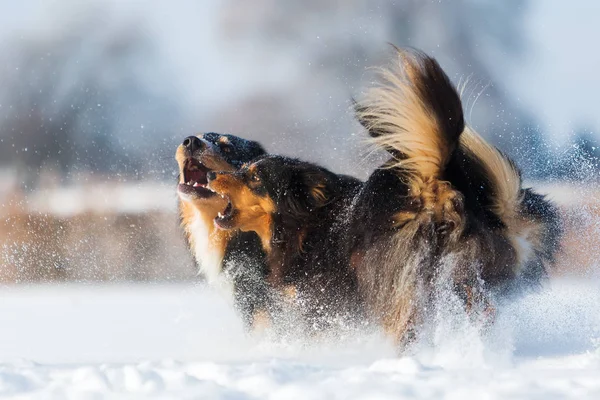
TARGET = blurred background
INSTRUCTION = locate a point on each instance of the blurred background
(95, 96)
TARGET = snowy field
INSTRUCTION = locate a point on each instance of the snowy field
(185, 342)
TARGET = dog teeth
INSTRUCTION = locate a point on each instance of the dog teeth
(197, 184)
(220, 215)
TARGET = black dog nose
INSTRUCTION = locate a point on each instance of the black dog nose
(211, 176)
(193, 143)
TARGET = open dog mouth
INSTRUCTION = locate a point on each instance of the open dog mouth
(194, 179)
(224, 220)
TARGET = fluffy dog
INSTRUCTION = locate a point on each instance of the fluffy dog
(447, 208)
(226, 258)
(297, 210)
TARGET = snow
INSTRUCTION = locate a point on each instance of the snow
(185, 342)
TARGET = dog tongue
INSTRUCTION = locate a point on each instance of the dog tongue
(196, 175)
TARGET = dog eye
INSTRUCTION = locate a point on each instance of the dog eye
(226, 148)
(255, 178)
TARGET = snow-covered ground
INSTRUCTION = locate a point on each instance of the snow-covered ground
(185, 342)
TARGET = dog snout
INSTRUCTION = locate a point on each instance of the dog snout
(221, 176)
(193, 143)
(221, 182)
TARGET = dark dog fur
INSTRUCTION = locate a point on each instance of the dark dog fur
(226, 258)
(447, 207)
(297, 208)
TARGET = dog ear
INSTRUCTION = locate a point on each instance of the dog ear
(318, 187)
(310, 190)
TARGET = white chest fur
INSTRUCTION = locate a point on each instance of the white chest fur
(207, 251)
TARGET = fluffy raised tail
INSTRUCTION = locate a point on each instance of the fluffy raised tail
(531, 223)
(415, 113)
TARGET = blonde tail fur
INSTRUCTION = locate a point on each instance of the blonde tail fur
(414, 113)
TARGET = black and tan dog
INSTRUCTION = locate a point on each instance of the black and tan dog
(231, 259)
(447, 208)
(298, 210)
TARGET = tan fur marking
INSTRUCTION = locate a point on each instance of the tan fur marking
(252, 212)
(438, 203)
(403, 217)
(318, 193)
